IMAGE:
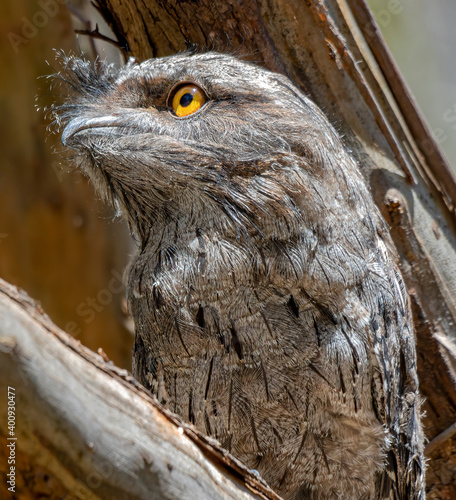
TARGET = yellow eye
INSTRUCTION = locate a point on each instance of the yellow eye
(187, 99)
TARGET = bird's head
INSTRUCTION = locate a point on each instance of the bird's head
(207, 139)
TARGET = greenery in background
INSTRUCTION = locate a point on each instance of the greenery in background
(422, 38)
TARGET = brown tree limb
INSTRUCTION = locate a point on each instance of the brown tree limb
(95, 33)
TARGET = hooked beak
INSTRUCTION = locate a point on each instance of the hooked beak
(79, 124)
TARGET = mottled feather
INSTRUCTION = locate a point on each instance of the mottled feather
(269, 309)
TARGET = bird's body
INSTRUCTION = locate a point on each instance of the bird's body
(269, 310)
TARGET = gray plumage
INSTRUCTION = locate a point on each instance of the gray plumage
(269, 309)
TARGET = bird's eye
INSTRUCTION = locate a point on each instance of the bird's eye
(186, 99)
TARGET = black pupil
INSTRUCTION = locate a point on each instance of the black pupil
(186, 99)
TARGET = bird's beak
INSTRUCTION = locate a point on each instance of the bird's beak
(78, 124)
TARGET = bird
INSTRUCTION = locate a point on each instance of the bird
(268, 305)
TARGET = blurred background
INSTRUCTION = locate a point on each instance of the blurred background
(422, 39)
(57, 241)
